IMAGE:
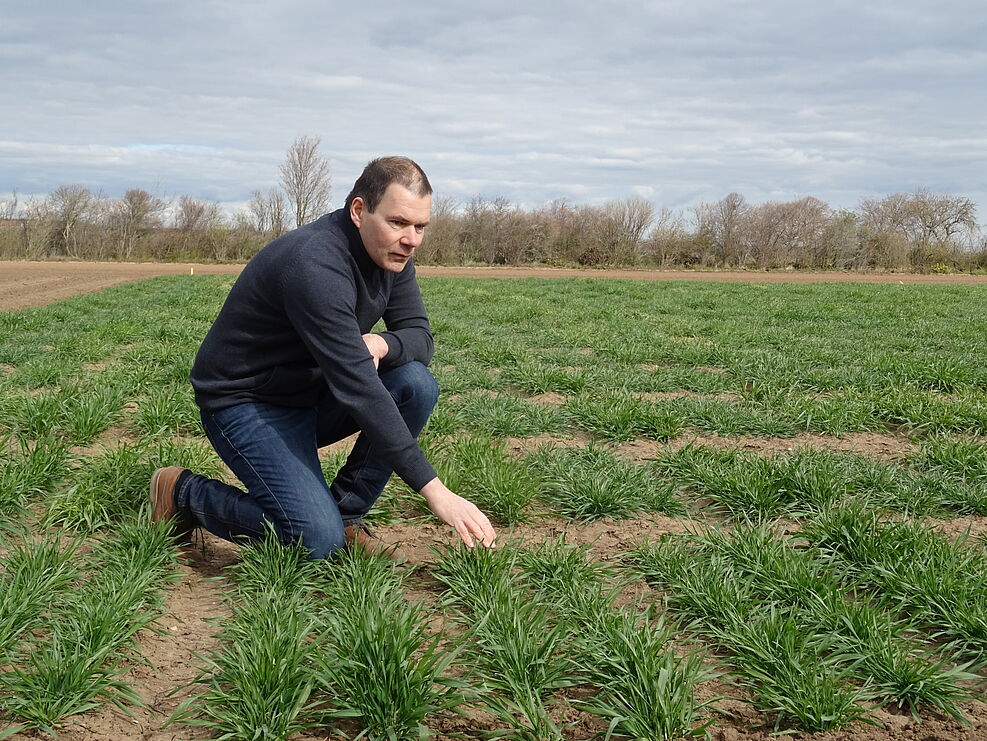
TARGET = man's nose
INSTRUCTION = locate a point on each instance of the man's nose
(412, 237)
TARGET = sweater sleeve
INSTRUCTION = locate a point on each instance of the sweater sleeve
(408, 335)
(320, 302)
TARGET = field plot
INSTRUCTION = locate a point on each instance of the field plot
(726, 510)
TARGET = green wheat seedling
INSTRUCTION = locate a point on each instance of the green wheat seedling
(939, 490)
(108, 488)
(506, 415)
(666, 379)
(954, 472)
(34, 576)
(78, 661)
(168, 363)
(42, 414)
(268, 566)
(519, 646)
(587, 484)
(935, 372)
(926, 412)
(937, 583)
(755, 488)
(790, 671)
(835, 414)
(960, 458)
(475, 577)
(89, 411)
(380, 667)
(559, 571)
(729, 417)
(500, 485)
(47, 370)
(29, 470)
(793, 672)
(886, 657)
(79, 413)
(60, 678)
(168, 410)
(465, 377)
(619, 417)
(522, 658)
(259, 682)
(139, 556)
(747, 488)
(112, 487)
(537, 378)
(646, 690)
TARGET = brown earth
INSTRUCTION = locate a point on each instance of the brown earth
(37, 283)
(194, 608)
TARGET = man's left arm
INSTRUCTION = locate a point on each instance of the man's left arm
(408, 335)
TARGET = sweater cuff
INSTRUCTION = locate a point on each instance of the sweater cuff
(394, 350)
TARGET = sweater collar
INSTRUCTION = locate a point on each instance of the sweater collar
(367, 266)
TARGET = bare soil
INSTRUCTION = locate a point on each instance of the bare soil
(24, 283)
(194, 609)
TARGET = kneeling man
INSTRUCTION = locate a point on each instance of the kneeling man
(290, 365)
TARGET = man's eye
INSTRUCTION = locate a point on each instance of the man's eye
(419, 229)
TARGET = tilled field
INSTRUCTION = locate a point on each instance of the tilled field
(26, 283)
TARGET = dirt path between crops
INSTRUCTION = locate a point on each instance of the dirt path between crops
(25, 284)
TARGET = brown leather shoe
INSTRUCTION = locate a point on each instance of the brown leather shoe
(359, 536)
(162, 494)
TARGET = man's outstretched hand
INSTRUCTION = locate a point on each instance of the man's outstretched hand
(471, 524)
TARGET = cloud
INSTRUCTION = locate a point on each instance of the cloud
(588, 102)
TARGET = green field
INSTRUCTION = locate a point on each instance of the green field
(815, 579)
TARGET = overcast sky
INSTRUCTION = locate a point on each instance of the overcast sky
(678, 102)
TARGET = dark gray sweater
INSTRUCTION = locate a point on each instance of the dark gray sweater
(291, 330)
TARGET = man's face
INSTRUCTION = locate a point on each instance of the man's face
(392, 232)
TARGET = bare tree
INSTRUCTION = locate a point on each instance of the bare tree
(8, 206)
(719, 226)
(133, 216)
(441, 245)
(257, 207)
(192, 215)
(941, 219)
(305, 179)
(923, 218)
(669, 242)
(69, 206)
(269, 212)
(621, 228)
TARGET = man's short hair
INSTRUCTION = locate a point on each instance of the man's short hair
(384, 171)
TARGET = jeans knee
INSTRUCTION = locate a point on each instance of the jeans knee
(415, 380)
(320, 538)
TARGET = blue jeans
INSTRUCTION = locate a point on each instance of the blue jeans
(273, 450)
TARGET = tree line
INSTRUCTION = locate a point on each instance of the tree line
(920, 231)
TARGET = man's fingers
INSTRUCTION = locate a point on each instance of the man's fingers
(465, 534)
(479, 529)
(484, 531)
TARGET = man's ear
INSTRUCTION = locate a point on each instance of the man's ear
(356, 211)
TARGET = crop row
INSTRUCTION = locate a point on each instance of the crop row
(69, 622)
(819, 623)
(88, 493)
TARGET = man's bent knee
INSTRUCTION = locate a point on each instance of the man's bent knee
(413, 379)
(320, 539)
